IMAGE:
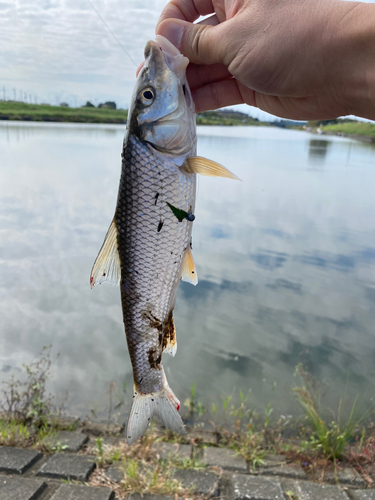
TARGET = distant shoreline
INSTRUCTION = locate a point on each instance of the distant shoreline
(89, 114)
(19, 111)
(369, 139)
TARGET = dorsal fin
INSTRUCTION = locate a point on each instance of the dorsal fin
(188, 271)
(106, 268)
(203, 166)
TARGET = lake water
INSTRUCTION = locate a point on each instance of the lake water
(285, 259)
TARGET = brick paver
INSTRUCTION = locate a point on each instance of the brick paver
(225, 458)
(74, 492)
(201, 482)
(16, 488)
(17, 460)
(64, 466)
(363, 495)
(69, 442)
(305, 490)
(246, 487)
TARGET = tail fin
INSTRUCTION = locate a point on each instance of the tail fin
(163, 404)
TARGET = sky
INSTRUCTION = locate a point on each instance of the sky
(60, 51)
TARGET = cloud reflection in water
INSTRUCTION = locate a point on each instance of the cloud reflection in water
(279, 284)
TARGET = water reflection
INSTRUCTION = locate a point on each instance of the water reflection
(318, 149)
(286, 264)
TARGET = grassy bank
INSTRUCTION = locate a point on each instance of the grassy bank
(352, 128)
(19, 111)
(12, 110)
(227, 117)
(322, 439)
(346, 127)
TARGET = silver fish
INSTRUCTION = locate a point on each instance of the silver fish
(147, 249)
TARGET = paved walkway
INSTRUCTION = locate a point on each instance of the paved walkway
(29, 475)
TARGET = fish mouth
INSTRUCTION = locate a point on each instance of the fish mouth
(161, 55)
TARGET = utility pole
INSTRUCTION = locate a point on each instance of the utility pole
(15, 94)
(4, 94)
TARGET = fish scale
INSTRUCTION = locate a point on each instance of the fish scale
(150, 260)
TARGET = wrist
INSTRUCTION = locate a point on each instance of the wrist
(354, 51)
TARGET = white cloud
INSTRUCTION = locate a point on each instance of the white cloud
(61, 47)
(61, 50)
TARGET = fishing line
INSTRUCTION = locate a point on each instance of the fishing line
(114, 36)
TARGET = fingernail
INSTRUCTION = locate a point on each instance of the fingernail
(172, 31)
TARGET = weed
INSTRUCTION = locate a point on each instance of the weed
(59, 447)
(143, 478)
(363, 458)
(188, 463)
(195, 407)
(242, 411)
(267, 416)
(27, 401)
(13, 433)
(99, 444)
(226, 400)
(328, 436)
(290, 495)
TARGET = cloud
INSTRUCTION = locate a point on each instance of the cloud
(44, 41)
(49, 41)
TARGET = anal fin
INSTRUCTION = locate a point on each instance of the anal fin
(188, 271)
(204, 166)
(106, 267)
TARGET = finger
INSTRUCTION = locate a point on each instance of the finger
(295, 108)
(201, 44)
(139, 68)
(186, 10)
(217, 95)
(200, 75)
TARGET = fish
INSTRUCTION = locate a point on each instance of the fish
(148, 247)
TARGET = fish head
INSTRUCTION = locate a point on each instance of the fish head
(162, 110)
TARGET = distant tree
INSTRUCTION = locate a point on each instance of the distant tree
(64, 104)
(108, 105)
(88, 105)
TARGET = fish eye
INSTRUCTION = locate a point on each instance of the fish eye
(147, 96)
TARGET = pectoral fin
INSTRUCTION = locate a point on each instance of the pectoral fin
(203, 166)
(106, 267)
(188, 271)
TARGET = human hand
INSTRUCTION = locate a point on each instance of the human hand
(297, 59)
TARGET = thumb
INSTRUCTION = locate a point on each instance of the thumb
(201, 44)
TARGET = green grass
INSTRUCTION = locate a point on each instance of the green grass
(13, 433)
(352, 128)
(225, 118)
(330, 433)
(12, 110)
